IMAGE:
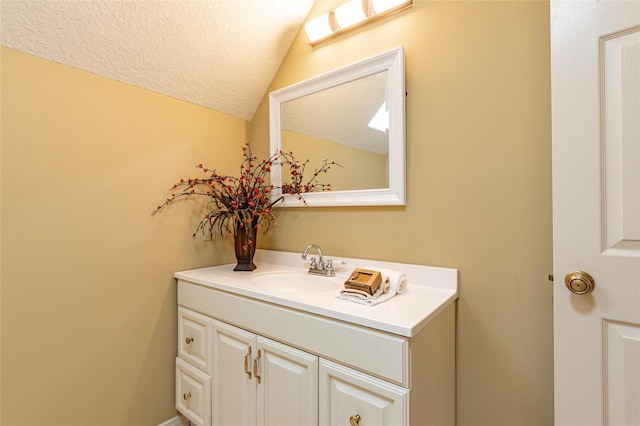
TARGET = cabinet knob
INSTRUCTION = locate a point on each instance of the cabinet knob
(354, 420)
(187, 396)
(189, 340)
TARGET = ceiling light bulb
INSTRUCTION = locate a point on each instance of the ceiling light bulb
(380, 6)
(319, 27)
(350, 13)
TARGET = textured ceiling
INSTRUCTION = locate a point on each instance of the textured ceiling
(220, 54)
(342, 114)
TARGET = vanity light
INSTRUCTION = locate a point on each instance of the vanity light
(320, 27)
(350, 15)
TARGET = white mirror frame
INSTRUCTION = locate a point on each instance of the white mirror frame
(391, 61)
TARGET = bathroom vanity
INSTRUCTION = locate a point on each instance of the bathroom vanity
(277, 347)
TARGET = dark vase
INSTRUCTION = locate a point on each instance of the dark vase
(245, 247)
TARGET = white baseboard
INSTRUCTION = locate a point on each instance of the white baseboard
(178, 420)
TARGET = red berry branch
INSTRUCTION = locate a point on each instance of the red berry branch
(245, 201)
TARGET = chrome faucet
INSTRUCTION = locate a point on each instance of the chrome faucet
(318, 267)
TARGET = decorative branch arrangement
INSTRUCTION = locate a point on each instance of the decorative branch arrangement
(244, 203)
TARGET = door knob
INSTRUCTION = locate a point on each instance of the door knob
(579, 282)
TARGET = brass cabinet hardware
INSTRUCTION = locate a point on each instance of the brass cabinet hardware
(579, 282)
(255, 366)
(189, 340)
(187, 396)
(246, 362)
(354, 420)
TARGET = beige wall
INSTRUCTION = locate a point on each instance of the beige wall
(369, 171)
(88, 299)
(479, 187)
(88, 295)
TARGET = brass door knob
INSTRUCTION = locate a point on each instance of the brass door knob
(579, 282)
(354, 420)
(189, 340)
(187, 396)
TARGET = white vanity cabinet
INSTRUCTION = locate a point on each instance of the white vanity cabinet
(253, 380)
(256, 381)
(247, 357)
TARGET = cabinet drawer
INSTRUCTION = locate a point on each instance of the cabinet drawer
(326, 337)
(193, 339)
(193, 393)
(347, 396)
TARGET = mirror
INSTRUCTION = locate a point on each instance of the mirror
(354, 116)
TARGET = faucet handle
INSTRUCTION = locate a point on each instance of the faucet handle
(313, 265)
(329, 269)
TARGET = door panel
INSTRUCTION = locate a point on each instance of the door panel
(622, 373)
(620, 81)
(595, 56)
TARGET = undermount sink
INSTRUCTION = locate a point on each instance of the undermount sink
(294, 282)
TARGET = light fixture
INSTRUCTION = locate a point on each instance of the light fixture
(320, 27)
(350, 15)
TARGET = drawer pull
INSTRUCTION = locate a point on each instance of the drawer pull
(189, 340)
(187, 396)
(246, 362)
(255, 366)
(354, 420)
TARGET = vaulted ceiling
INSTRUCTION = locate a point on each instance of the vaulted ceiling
(220, 54)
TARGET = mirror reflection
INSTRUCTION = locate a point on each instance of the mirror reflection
(348, 124)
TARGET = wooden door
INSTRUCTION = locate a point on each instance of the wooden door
(596, 215)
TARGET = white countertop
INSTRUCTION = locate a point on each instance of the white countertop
(429, 290)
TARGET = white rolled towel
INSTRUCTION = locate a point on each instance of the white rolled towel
(393, 282)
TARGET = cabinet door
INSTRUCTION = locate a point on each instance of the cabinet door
(234, 387)
(349, 397)
(193, 339)
(288, 383)
(192, 393)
